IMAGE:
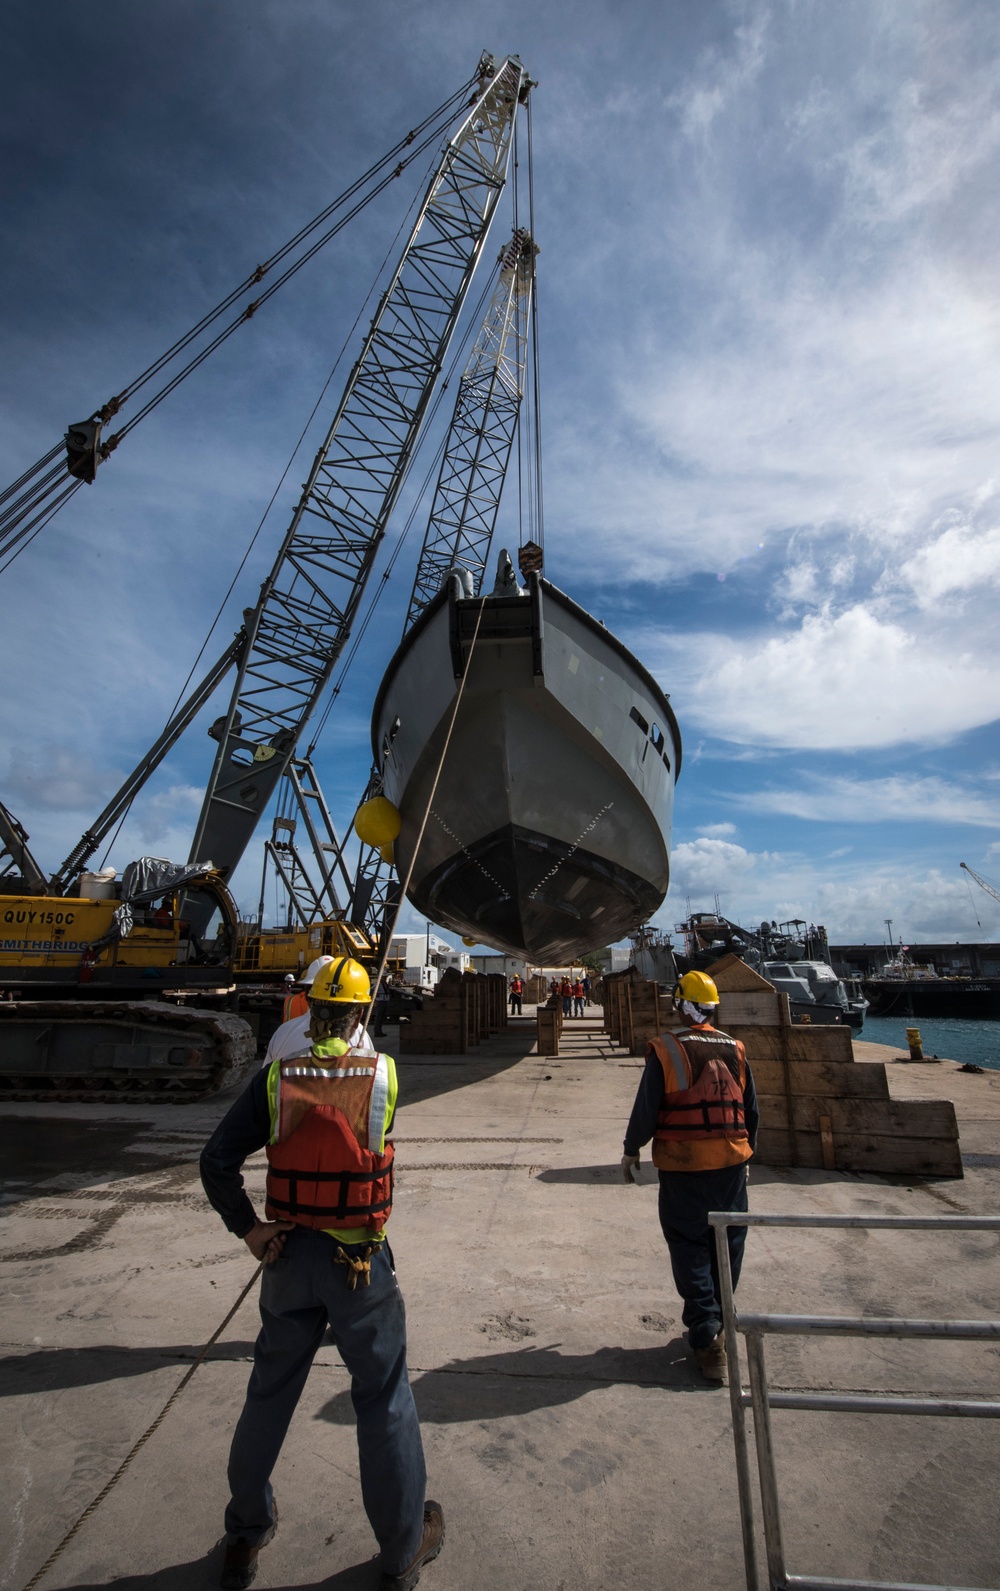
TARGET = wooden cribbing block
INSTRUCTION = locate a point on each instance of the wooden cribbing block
(731, 975)
(644, 998)
(820, 1077)
(806, 1044)
(934, 1118)
(549, 1026)
(913, 1137)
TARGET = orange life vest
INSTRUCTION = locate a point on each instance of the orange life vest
(701, 1125)
(295, 1005)
(321, 1172)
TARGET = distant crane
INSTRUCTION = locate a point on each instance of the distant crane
(991, 889)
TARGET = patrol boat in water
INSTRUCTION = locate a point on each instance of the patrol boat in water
(549, 829)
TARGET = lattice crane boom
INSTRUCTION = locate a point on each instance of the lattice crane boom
(982, 882)
(308, 602)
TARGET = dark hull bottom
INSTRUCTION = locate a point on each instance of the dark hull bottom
(977, 999)
(530, 895)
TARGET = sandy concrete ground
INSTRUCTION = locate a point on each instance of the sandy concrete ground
(568, 1435)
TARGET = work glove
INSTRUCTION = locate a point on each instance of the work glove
(630, 1168)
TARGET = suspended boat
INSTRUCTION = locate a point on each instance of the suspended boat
(548, 832)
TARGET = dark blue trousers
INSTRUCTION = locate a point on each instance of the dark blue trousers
(685, 1200)
(302, 1294)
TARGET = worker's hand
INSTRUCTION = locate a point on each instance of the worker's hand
(630, 1168)
(267, 1239)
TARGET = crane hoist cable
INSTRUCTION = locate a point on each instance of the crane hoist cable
(389, 254)
(260, 526)
(431, 473)
(80, 465)
(539, 527)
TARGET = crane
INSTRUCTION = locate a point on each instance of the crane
(991, 889)
(282, 657)
(307, 604)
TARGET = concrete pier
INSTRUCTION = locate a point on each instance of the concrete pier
(569, 1437)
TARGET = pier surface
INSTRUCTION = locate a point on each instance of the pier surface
(568, 1435)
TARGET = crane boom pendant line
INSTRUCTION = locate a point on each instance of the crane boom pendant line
(308, 602)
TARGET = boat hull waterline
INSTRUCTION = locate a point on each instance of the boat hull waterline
(548, 833)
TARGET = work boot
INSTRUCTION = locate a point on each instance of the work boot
(239, 1567)
(430, 1545)
(711, 1361)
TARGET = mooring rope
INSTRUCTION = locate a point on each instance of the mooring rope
(93, 1506)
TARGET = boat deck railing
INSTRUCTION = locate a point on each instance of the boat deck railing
(761, 1400)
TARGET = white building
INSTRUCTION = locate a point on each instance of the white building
(421, 958)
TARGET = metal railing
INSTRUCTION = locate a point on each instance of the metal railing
(761, 1400)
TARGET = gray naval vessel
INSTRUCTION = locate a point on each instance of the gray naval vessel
(549, 829)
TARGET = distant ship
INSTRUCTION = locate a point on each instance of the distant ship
(793, 956)
(905, 989)
(549, 830)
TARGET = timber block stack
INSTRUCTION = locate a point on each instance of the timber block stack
(536, 990)
(496, 1001)
(635, 1009)
(550, 1022)
(479, 1015)
(818, 1106)
(449, 1022)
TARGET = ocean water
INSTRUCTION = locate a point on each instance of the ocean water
(952, 1038)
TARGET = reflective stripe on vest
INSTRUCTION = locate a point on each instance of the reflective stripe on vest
(701, 1124)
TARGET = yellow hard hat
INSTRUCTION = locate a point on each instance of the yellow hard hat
(343, 982)
(698, 988)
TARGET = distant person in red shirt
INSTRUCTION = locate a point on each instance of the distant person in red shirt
(566, 990)
(516, 993)
(578, 997)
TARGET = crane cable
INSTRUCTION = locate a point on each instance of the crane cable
(433, 467)
(252, 542)
(12, 539)
(150, 1430)
(260, 526)
(536, 377)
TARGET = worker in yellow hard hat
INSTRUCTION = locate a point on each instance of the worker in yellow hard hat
(291, 1037)
(697, 1102)
(325, 1116)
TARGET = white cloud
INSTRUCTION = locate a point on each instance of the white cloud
(716, 831)
(837, 681)
(708, 865)
(962, 559)
(841, 799)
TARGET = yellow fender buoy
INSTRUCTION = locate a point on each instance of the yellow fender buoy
(377, 822)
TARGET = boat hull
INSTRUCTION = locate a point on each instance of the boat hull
(977, 999)
(546, 831)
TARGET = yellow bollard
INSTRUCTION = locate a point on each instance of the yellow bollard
(913, 1039)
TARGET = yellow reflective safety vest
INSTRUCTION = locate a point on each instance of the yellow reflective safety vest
(329, 1164)
(700, 1126)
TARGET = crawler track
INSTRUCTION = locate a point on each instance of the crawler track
(117, 1050)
